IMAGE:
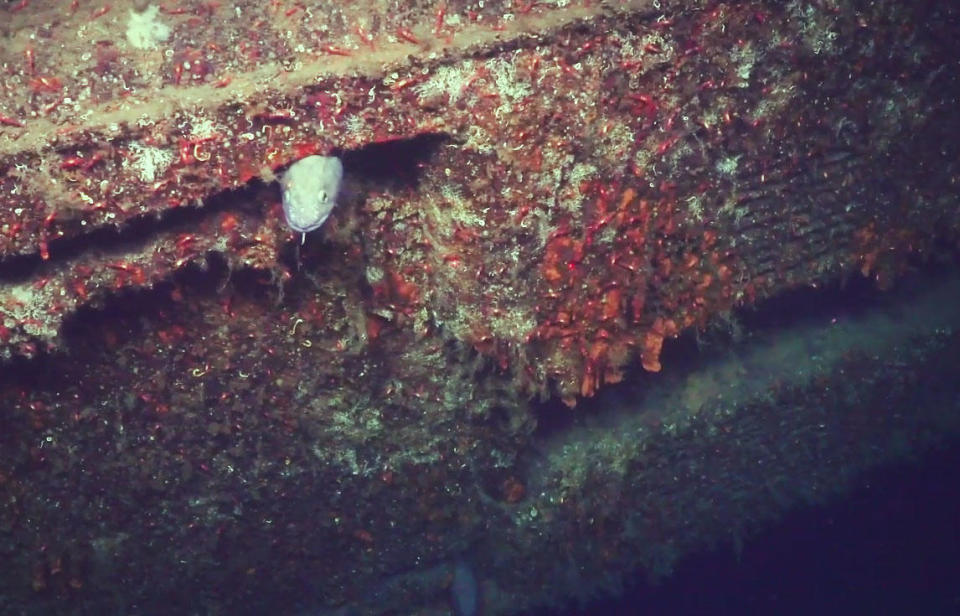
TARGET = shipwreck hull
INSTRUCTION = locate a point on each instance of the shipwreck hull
(540, 198)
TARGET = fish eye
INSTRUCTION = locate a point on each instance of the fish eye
(323, 195)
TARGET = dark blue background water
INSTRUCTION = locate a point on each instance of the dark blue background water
(892, 546)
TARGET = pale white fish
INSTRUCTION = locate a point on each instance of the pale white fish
(310, 188)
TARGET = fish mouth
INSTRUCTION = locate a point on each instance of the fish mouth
(306, 228)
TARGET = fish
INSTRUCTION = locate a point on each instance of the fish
(310, 187)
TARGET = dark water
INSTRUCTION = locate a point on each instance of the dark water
(891, 546)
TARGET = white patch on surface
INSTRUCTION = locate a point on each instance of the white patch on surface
(204, 128)
(446, 80)
(727, 165)
(150, 162)
(509, 86)
(144, 31)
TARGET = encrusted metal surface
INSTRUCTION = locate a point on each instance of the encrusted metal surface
(659, 166)
(536, 194)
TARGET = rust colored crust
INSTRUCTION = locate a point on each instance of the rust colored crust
(612, 175)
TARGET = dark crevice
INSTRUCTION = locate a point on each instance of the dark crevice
(133, 232)
(392, 165)
(142, 308)
(395, 164)
(132, 311)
